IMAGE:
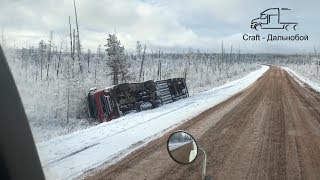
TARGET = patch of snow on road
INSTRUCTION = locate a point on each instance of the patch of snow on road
(68, 156)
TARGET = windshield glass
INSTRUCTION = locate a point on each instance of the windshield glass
(104, 83)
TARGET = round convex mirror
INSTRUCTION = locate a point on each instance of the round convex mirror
(182, 147)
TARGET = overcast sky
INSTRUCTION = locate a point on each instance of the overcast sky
(171, 25)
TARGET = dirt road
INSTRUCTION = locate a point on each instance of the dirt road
(182, 153)
(269, 131)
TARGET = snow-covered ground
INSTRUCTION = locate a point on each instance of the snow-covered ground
(307, 71)
(46, 99)
(312, 84)
(68, 156)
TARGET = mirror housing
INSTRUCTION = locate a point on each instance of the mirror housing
(182, 147)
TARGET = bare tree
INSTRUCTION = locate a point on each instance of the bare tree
(185, 72)
(49, 54)
(220, 64)
(73, 53)
(159, 67)
(68, 91)
(142, 61)
(78, 38)
(88, 59)
(59, 57)
(98, 58)
(239, 56)
(138, 49)
(42, 47)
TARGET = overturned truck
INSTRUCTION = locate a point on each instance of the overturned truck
(112, 102)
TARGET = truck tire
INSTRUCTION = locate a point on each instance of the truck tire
(137, 106)
(156, 103)
(145, 106)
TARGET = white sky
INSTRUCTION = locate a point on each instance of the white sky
(170, 25)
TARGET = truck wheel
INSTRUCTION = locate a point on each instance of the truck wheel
(137, 106)
(155, 103)
(145, 106)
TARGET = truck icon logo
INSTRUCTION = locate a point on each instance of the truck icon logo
(271, 19)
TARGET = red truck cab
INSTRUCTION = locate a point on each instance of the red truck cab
(101, 105)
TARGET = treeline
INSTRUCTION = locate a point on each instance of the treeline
(48, 66)
(48, 62)
(54, 79)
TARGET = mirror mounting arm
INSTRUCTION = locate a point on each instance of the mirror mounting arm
(204, 166)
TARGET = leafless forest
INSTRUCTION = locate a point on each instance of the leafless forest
(54, 78)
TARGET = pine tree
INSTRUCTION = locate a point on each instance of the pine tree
(117, 61)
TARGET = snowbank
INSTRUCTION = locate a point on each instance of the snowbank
(312, 84)
(68, 156)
